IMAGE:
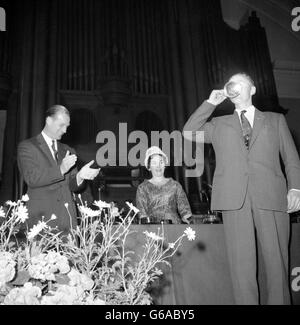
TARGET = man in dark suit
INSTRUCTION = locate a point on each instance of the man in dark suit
(250, 189)
(49, 170)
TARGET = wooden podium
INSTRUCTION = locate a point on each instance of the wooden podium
(199, 272)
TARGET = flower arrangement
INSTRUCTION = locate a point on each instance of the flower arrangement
(91, 266)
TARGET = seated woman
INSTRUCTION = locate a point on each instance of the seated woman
(161, 199)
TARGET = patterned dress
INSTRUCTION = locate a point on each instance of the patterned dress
(166, 202)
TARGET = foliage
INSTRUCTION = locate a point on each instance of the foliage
(91, 265)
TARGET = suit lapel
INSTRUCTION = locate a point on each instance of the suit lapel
(45, 149)
(236, 124)
(259, 119)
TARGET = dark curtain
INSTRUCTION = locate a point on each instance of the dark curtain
(33, 39)
(118, 50)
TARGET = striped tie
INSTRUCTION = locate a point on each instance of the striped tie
(246, 128)
(55, 151)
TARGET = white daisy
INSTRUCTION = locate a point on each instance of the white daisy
(171, 245)
(22, 213)
(12, 204)
(25, 198)
(153, 236)
(132, 207)
(36, 229)
(190, 233)
(88, 212)
(2, 213)
(101, 204)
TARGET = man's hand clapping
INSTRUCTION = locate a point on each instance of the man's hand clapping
(187, 219)
(86, 172)
(67, 163)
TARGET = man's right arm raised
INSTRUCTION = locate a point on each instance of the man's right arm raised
(198, 120)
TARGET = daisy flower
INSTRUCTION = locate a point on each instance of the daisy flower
(101, 204)
(132, 207)
(22, 213)
(190, 233)
(36, 229)
(25, 198)
(2, 213)
(153, 236)
(88, 212)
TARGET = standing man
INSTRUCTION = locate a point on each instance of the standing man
(48, 168)
(250, 189)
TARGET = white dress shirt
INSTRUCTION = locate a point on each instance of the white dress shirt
(49, 143)
(250, 113)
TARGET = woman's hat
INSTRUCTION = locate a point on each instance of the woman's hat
(154, 151)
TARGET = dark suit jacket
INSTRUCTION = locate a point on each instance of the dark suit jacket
(237, 168)
(48, 190)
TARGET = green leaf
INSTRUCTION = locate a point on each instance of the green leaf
(62, 279)
(11, 245)
(23, 276)
(39, 284)
(35, 249)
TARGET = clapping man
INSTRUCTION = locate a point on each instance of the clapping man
(49, 170)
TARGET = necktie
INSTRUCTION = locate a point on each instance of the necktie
(246, 128)
(54, 151)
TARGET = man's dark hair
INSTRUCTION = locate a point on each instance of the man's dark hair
(55, 109)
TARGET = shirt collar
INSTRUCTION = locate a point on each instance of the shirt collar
(48, 139)
(249, 109)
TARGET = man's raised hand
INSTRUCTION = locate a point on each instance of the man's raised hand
(216, 97)
(67, 163)
(86, 172)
